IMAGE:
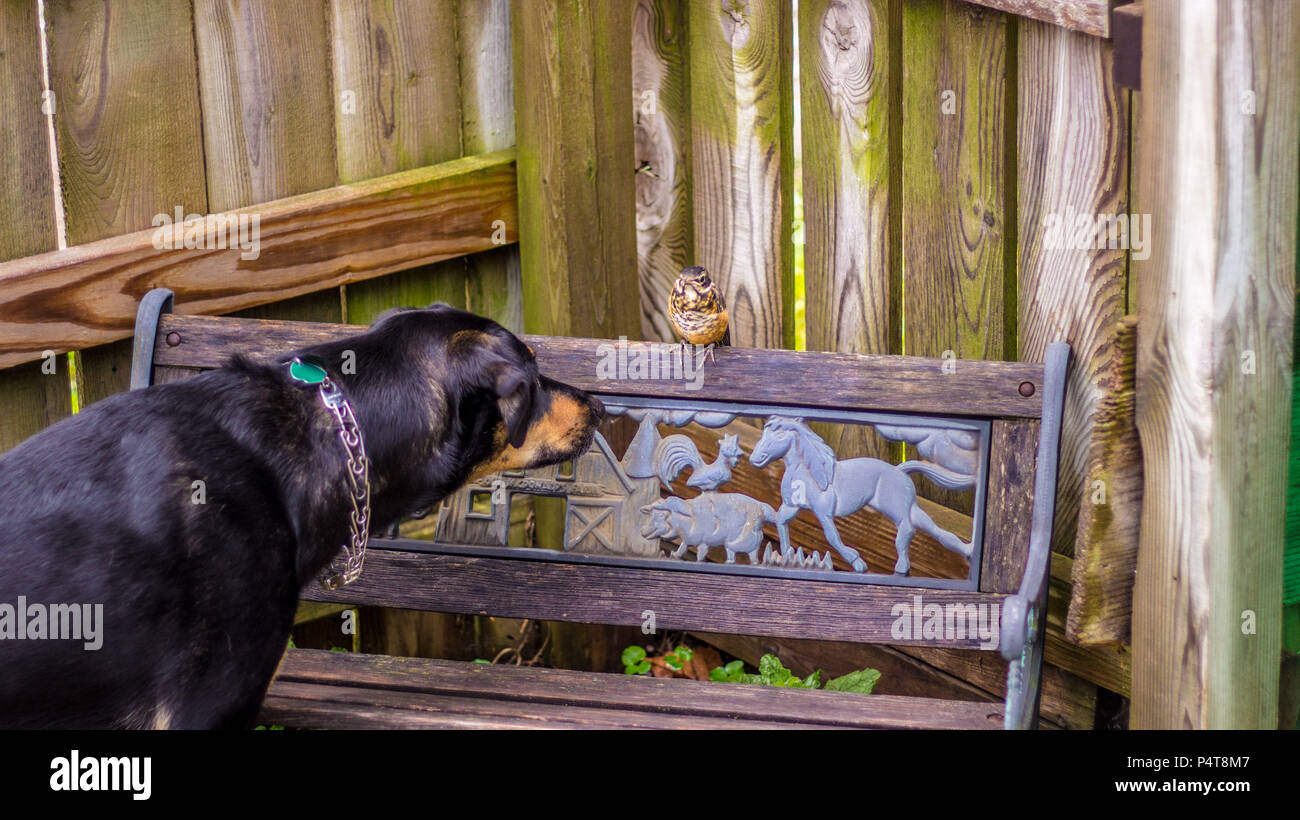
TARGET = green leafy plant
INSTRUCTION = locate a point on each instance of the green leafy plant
(771, 672)
(635, 661)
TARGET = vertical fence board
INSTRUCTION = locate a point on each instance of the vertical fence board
(958, 219)
(264, 76)
(741, 156)
(661, 117)
(397, 107)
(1073, 168)
(1214, 360)
(851, 252)
(29, 398)
(577, 236)
(572, 68)
(494, 285)
(130, 145)
(954, 198)
(26, 179)
(127, 115)
(851, 179)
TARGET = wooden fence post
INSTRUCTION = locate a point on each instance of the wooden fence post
(577, 237)
(742, 158)
(1221, 82)
(577, 234)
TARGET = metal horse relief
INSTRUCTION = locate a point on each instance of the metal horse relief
(617, 507)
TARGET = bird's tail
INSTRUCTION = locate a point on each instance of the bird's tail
(675, 453)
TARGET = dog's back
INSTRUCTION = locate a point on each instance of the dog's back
(102, 512)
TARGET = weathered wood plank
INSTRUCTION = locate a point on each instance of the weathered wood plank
(1088, 16)
(845, 381)
(851, 224)
(1101, 602)
(572, 69)
(852, 183)
(1068, 667)
(955, 202)
(311, 611)
(741, 160)
(396, 96)
(592, 593)
(958, 212)
(130, 141)
(397, 107)
(30, 396)
(494, 281)
(1010, 504)
(26, 175)
(1074, 228)
(268, 125)
(661, 113)
(301, 705)
(130, 144)
(308, 242)
(612, 698)
(1214, 359)
(1109, 666)
(573, 80)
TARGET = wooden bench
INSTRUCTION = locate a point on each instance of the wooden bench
(991, 429)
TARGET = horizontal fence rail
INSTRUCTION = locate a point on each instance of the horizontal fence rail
(88, 294)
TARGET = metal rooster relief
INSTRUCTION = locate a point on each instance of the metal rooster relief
(616, 506)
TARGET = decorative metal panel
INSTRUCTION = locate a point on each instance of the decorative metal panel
(663, 504)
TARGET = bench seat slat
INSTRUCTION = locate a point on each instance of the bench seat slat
(312, 706)
(679, 599)
(344, 690)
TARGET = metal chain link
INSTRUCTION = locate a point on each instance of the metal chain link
(345, 567)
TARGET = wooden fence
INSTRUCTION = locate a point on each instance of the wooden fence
(931, 145)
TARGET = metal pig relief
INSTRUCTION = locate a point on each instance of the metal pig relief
(627, 508)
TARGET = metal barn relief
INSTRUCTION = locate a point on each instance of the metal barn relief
(663, 501)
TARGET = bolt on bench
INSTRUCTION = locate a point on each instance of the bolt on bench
(824, 546)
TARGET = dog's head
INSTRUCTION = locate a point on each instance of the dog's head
(446, 396)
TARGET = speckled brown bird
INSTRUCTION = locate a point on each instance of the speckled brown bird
(697, 311)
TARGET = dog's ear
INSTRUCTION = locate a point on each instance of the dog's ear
(497, 364)
(515, 388)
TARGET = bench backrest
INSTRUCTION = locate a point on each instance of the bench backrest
(989, 429)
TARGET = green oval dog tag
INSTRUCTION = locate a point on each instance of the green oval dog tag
(306, 373)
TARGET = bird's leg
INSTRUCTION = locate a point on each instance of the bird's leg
(708, 352)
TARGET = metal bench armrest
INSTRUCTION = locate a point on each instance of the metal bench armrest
(154, 304)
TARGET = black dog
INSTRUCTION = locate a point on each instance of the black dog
(198, 598)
